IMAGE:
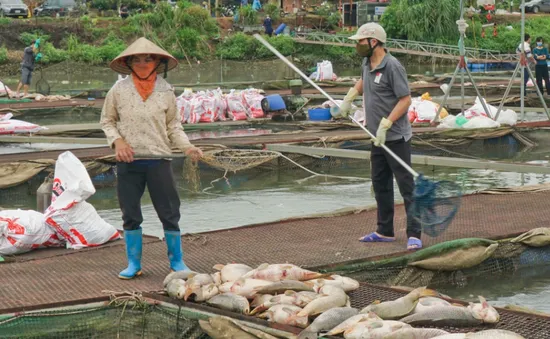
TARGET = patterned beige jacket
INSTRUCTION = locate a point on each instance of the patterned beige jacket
(152, 127)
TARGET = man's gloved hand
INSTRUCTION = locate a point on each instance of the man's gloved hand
(383, 128)
(38, 57)
(345, 108)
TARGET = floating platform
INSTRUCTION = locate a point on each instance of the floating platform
(44, 277)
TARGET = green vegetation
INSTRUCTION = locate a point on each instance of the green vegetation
(3, 55)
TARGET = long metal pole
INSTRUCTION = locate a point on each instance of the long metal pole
(522, 100)
(507, 90)
(297, 70)
(447, 93)
(539, 94)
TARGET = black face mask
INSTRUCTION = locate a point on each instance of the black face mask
(365, 50)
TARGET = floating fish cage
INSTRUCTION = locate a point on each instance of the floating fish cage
(455, 263)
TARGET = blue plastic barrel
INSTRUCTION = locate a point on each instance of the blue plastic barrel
(273, 102)
(280, 29)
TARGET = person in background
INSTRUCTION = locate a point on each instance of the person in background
(540, 54)
(124, 12)
(386, 99)
(525, 58)
(140, 118)
(27, 67)
(268, 26)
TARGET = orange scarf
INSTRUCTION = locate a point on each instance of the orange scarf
(145, 87)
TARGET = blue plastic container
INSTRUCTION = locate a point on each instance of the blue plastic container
(272, 103)
(318, 114)
(280, 29)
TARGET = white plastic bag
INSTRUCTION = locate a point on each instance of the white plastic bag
(508, 117)
(448, 122)
(80, 225)
(71, 181)
(252, 100)
(235, 107)
(13, 126)
(22, 231)
(481, 122)
(324, 71)
(477, 110)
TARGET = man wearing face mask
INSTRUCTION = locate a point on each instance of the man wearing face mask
(386, 97)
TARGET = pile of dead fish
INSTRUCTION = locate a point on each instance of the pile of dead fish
(290, 295)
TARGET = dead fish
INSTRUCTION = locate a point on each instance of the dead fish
(278, 272)
(176, 288)
(218, 328)
(201, 293)
(282, 286)
(349, 323)
(472, 315)
(217, 278)
(494, 334)
(260, 299)
(198, 280)
(416, 333)
(232, 272)
(308, 296)
(428, 302)
(336, 298)
(399, 308)
(226, 287)
(230, 302)
(327, 320)
(452, 336)
(345, 283)
(375, 329)
(247, 287)
(177, 275)
(536, 237)
(286, 315)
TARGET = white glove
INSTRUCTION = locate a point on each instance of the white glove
(345, 108)
(383, 128)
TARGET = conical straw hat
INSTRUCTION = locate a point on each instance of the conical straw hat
(142, 46)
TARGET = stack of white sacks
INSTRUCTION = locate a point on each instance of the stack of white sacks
(69, 221)
(213, 105)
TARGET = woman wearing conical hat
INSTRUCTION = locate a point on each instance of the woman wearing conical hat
(139, 117)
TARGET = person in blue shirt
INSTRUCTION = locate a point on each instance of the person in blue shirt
(268, 26)
(541, 68)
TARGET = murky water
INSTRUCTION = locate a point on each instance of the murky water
(263, 196)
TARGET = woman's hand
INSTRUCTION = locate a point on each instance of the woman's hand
(124, 152)
(194, 153)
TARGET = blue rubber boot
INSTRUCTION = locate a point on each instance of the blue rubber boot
(175, 253)
(134, 245)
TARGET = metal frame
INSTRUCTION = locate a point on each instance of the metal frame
(415, 47)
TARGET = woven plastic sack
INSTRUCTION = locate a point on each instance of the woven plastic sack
(13, 126)
(252, 100)
(235, 107)
(71, 181)
(22, 231)
(80, 225)
(6, 116)
(183, 103)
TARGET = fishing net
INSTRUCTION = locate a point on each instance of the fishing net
(435, 205)
(42, 85)
(234, 160)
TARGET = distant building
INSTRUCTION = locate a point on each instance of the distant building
(363, 11)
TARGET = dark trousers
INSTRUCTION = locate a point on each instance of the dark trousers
(157, 175)
(541, 73)
(384, 168)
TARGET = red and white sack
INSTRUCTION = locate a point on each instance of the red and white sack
(69, 215)
(183, 103)
(6, 116)
(477, 110)
(80, 225)
(22, 231)
(235, 107)
(71, 181)
(252, 100)
(197, 109)
(221, 104)
(422, 110)
(210, 106)
(13, 126)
